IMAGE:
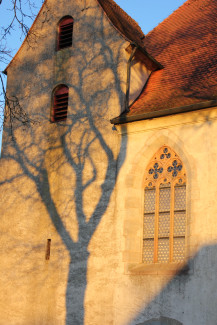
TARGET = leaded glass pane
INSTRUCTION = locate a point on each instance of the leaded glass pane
(178, 249)
(163, 250)
(163, 227)
(179, 223)
(180, 197)
(149, 201)
(164, 199)
(149, 226)
(164, 224)
(148, 251)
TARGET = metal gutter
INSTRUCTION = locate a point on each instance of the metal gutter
(128, 80)
(165, 112)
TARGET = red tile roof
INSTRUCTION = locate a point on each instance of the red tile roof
(126, 25)
(186, 45)
(130, 30)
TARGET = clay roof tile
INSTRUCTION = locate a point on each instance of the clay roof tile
(186, 45)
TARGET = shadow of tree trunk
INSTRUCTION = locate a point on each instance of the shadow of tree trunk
(83, 152)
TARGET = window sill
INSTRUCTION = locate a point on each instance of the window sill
(158, 269)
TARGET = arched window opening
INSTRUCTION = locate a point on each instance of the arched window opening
(65, 32)
(164, 209)
(60, 103)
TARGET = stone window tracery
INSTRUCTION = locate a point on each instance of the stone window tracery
(164, 209)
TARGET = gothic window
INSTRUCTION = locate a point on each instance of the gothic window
(164, 208)
(60, 103)
(65, 30)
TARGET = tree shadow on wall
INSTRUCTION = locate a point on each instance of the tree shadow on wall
(72, 166)
(189, 298)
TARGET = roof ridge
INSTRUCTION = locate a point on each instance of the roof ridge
(134, 22)
(129, 28)
(186, 46)
(123, 22)
(186, 3)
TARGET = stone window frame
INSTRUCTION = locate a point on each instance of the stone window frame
(132, 210)
(164, 239)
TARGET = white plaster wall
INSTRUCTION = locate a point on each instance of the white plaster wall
(41, 177)
(188, 298)
(58, 180)
(139, 75)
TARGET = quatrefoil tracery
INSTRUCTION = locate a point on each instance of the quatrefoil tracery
(155, 170)
(176, 168)
(165, 167)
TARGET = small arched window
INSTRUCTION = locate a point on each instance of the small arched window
(60, 103)
(65, 30)
(164, 209)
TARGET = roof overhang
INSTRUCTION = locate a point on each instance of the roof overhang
(143, 56)
(124, 118)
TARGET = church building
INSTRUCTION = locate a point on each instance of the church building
(108, 170)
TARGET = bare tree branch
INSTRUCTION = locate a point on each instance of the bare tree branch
(21, 15)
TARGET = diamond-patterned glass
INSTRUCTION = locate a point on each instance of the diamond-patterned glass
(149, 226)
(149, 201)
(178, 249)
(163, 250)
(180, 198)
(179, 223)
(148, 251)
(164, 199)
(164, 224)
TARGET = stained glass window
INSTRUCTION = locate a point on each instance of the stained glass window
(164, 209)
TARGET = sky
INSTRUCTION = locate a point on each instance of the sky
(147, 13)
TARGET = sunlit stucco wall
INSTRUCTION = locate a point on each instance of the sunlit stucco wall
(58, 180)
(188, 297)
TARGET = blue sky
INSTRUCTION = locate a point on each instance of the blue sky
(147, 13)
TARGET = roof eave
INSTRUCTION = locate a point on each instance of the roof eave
(132, 42)
(144, 55)
(143, 50)
(122, 119)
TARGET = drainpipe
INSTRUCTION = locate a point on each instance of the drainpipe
(128, 79)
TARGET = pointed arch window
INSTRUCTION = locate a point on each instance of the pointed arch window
(164, 209)
(60, 103)
(65, 31)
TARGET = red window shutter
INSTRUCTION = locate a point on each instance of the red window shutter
(60, 104)
(65, 33)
